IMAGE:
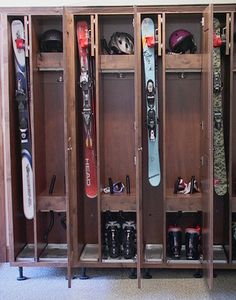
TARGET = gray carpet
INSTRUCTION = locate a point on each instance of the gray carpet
(106, 284)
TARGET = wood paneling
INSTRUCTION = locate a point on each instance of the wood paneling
(117, 62)
(3, 251)
(207, 145)
(184, 61)
(50, 61)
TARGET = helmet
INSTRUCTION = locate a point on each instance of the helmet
(181, 41)
(121, 43)
(51, 41)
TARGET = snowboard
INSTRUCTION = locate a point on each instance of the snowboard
(219, 161)
(151, 95)
(22, 100)
(86, 85)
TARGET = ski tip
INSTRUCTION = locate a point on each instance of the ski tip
(220, 190)
(155, 180)
(91, 195)
(29, 213)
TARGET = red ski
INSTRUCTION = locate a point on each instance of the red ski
(86, 84)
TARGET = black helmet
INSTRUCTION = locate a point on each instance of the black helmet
(51, 41)
(181, 41)
(121, 43)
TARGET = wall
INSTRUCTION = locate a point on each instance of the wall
(13, 3)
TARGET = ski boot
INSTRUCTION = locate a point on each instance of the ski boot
(129, 239)
(179, 186)
(175, 241)
(113, 239)
(192, 238)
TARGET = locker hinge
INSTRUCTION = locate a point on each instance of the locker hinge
(133, 22)
(135, 160)
(202, 161)
(135, 125)
(202, 125)
(203, 21)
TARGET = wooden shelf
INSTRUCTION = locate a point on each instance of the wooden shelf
(90, 253)
(27, 254)
(118, 202)
(50, 61)
(55, 202)
(184, 62)
(54, 252)
(117, 63)
(153, 253)
(181, 202)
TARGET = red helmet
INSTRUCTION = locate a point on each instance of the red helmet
(181, 41)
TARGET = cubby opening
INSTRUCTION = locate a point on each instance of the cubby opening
(117, 140)
(183, 126)
(118, 244)
(182, 221)
(108, 25)
(49, 123)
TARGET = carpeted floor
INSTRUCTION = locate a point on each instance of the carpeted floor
(106, 284)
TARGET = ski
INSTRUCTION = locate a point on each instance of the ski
(148, 42)
(22, 99)
(86, 85)
(219, 163)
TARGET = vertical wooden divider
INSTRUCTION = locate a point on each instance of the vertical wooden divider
(207, 144)
(227, 34)
(70, 141)
(98, 128)
(66, 149)
(30, 35)
(6, 134)
(138, 139)
(230, 177)
(163, 129)
(2, 187)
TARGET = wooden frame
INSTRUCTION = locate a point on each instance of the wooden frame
(151, 208)
(3, 243)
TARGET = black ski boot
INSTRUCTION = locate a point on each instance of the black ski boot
(113, 238)
(175, 242)
(129, 239)
(192, 238)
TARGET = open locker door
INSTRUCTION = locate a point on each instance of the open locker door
(138, 140)
(70, 141)
(2, 198)
(207, 145)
